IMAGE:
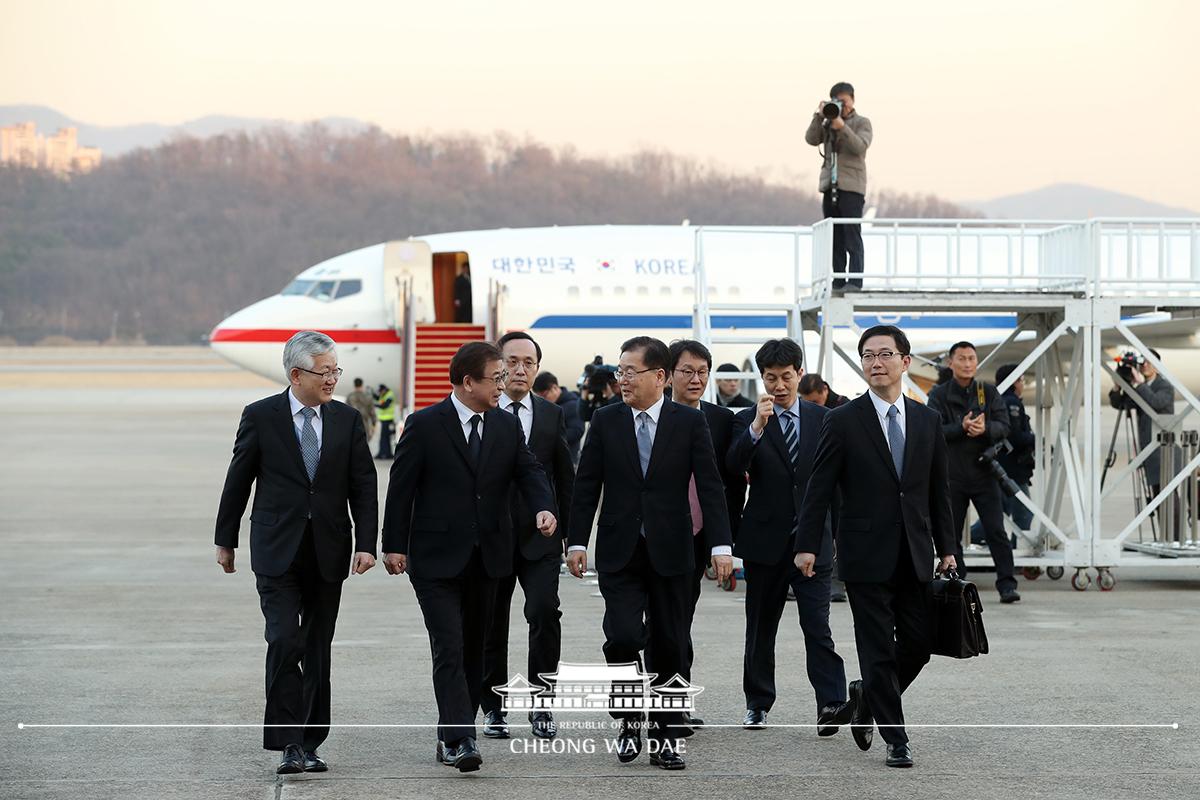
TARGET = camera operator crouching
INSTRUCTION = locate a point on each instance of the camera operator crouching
(844, 136)
(975, 424)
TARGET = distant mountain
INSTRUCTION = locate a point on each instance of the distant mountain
(1074, 201)
(118, 140)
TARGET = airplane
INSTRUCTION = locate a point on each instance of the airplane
(581, 291)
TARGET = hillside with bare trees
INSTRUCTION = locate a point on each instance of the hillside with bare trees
(158, 245)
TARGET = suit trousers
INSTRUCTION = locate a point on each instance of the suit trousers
(539, 582)
(386, 427)
(892, 636)
(766, 597)
(300, 610)
(457, 612)
(989, 503)
(847, 239)
(647, 611)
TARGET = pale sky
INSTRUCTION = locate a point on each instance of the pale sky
(968, 100)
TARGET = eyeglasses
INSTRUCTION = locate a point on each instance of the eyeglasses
(336, 374)
(501, 378)
(882, 357)
(690, 373)
(630, 374)
(527, 363)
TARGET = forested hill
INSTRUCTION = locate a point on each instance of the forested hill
(160, 244)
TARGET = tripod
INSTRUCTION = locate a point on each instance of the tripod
(1140, 487)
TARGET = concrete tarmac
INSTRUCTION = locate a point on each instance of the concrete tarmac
(114, 613)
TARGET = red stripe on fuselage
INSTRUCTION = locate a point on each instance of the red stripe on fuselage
(270, 335)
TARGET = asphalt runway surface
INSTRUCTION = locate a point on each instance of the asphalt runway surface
(115, 614)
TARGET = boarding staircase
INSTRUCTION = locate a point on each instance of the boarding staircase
(433, 347)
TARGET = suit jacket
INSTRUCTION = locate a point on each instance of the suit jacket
(720, 428)
(776, 487)
(266, 453)
(548, 442)
(883, 517)
(658, 501)
(439, 506)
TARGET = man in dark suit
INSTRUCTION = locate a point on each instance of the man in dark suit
(691, 365)
(644, 454)
(779, 469)
(448, 523)
(886, 455)
(537, 558)
(307, 456)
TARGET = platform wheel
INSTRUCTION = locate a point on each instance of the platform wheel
(1031, 573)
(730, 583)
(710, 572)
(1055, 573)
(1080, 580)
(1106, 580)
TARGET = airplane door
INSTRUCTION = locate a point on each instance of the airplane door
(403, 261)
(445, 272)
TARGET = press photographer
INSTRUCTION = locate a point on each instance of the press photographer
(597, 388)
(974, 420)
(843, 136)
(1158, 393)
(1016, 459)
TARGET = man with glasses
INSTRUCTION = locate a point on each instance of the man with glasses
(643, 455)
(447, 523)
(779, 469)
(691, 365)
(307, 457)
(537, 559)
(885, 453)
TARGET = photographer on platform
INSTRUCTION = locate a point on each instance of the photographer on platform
(974, 419)
(1158, 393)
(844, 137)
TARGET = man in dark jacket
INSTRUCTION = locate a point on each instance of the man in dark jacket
(973, 419)
(1159, 394)
(1018, 463)
(729, 393)
(547, 386)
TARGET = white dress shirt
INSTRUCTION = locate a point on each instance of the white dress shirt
(655, 411)
(464, 418)
(881, 411)
(525, 414)
(298, 418)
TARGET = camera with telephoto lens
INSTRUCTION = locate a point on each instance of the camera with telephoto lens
(1126, 363)
(832, 109)
(988, 459)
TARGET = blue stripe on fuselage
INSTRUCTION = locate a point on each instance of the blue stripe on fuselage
(684, 321)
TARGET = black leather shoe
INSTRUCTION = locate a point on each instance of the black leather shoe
(494, 725)
(1011, 596)
(667, 758)
(755, 719)
(832, 716)
(445, 753)
(692, 721)
(629, 741)
(861, 721)
(467, 757)
(899, 755)
(544, 726)
(292, 761)
(837, 597)
(313, 762)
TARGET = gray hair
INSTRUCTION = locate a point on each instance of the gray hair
(301, 350)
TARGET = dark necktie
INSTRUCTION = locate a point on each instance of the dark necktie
(895, 439)
(474, 441)
(791, 436)
(516, 409)
(310, 450)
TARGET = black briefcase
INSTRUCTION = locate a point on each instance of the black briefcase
(955, 618)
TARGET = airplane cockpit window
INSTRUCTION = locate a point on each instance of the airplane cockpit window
(347, 288)
(324, 290)
(298, 287)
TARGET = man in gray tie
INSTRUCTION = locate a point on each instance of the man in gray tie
(306, 456)
(886, 455)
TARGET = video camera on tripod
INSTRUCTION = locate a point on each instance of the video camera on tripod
(1127, 362)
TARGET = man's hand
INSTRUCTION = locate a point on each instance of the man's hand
(546, 523)
(577, 562)
(395, 563)
(362, 563)
(821, 106)
(975, 426)
(1137, 377)
(806, 563)
(837, 123)
(225, 558)
(946, 564)
(764, 411)
(723, 565)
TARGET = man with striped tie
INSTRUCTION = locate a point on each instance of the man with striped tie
(307, 456)
(774, 443)
(886, 454)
